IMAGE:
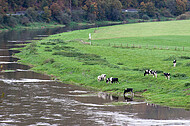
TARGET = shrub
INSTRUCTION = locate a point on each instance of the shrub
(145, 17)
(166, 13)
(180, 75)
(63, 18)
(183, 16)
(51, 60)
(32, 48)
(25, 21)
(78, 15)
(187, 84)
(10, 21)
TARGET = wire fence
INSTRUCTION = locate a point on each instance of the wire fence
(138, 46)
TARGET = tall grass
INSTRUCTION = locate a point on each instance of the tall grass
(73, 62)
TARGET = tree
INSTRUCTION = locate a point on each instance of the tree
(55, 9)
(181, 6)
(47, 14)
(3, 6)
(31, 14)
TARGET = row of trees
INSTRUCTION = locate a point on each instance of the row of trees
(63, 11)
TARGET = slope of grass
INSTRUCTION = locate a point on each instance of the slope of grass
(65, 57)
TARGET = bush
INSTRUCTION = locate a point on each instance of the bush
(51, 60)
(63, 18)
(31, 14)
(132, 15)
(183, 16)
(78, 15)
(25, 21)
(10, 21)
(166, 13)
(145, 17)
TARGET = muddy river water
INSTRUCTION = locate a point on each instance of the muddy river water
(32, 99)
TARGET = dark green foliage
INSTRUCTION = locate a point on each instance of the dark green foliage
(185, 57)
(66, 48)
(120, 63)
(32, 48)
(51, 60)
(48, 43)
(145, 17)
(48, 50)
(180, 75)
(187, 84)
(10, 21)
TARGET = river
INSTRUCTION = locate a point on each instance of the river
(32, 99)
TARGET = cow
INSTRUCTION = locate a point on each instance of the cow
(154, 73)
(147, 72)
(174, 62)
(102, 77)
(112, 80)
(151, 72)
(167, 75)
(128, 90)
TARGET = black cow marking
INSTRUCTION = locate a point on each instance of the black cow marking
(167, 75)
(128, 90)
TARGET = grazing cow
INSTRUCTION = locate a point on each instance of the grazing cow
(174, 62)
(167, 75)
(151, 72)
(102, 77)
(154, 73)
(112, 80)
(147, 72)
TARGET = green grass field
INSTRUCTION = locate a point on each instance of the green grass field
(156, 45)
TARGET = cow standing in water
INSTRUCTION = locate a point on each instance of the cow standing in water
(174, 62)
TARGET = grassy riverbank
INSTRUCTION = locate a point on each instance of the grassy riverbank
(35, 25)
(122, 51)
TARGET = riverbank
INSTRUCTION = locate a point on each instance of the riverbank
(42, 25)
(35, 25)
(122, 51)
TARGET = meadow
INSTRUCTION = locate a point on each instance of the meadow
(123, 51)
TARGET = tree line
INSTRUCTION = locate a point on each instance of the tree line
(65, 11)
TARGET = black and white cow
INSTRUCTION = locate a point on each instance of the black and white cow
(154, 73)
(128, 90)
(167, 75)
(174, 62)
(102, 77)
(147, 72)
(151, 72)
(112, 80)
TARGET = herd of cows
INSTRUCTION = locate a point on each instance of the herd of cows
(147, 72)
